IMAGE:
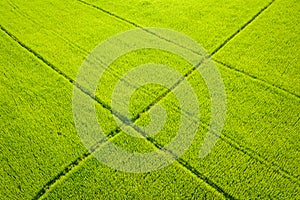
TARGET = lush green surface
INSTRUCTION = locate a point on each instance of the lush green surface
(245, 165)
(259, 117)
(62, 32)
(93, 180)
(269, 48)
(258, 153)
(208, 22)
(38, 138)
(265, 130)
(65, 40)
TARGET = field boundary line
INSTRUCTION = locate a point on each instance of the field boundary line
(242, 28)
(61, 73)
(52, 182)
(184, 164)
(256, 156)
(71, 44)
(72, 81)
(67, 170)
(225, 138)
(241, 148)
(215, 51)
(84, 51)
(136, 25)
(87, 154)
(175, 43)
(262, 81)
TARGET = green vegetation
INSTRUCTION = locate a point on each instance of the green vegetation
(254, 43)
(253, 151)
(38, 138)
(269, 48)
(210, 23)
(93, 180)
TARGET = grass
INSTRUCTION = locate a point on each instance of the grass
(255, 45)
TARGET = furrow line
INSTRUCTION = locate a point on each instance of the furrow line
(72, 81)
(110, 13)
(173, 87)
(184, 164)
(198, 174)
(258, 79)
(74, 164)
(137, 26)
(70, 43)
(254, 155)
(242, 28)
(36, 54)
(96, 99)
(62, 174)
(81, 159)
(251, 153)
(61, 73)
(175, 43)
(34, 21)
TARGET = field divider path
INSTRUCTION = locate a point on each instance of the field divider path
(262, 81)
(74, 164)
(84, 51)
(61, 73)
(106, 106)
(184, 164)
(112, 134)
(242, 28)
(136, 25)
(225, 138)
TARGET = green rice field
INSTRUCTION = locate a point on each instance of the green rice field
(253, 44)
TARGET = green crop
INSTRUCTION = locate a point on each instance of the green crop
(255, 47)
(268, 49)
